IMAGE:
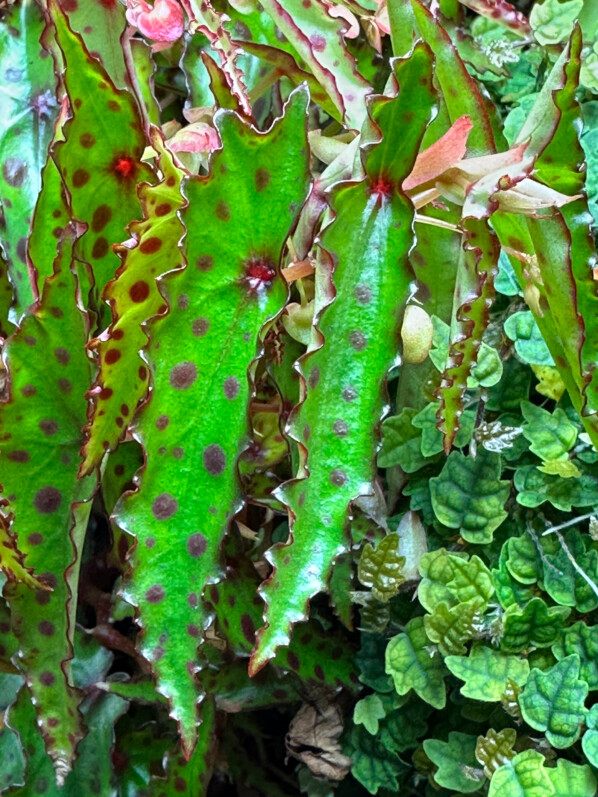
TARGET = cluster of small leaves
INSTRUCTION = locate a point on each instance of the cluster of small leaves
(298, 398)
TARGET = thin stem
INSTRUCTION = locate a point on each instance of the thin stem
(574, 521)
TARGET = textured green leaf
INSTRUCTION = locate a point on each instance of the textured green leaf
(535, 487)
(452, 578)
(381, 568)
(486, 672)
(535, 624)
(524, 558)
(524, 776)
(40, 428)
(564, 583)
(100, 159)
(368, 712)
(552, 21)
(374, 766)
(508, 591)
(572, 780)
(431, 438)
(495, 748)
(345, 377)
(468, 495)
(134, 298)
(403, 727)
(450, 628)
(551, 435)
(28, 108)
(205, 19)
(401, 442)
(456, 762)
(319, 41)
(412, 665)
(198, 356)
(581, 639)
(553, 701)
(522, 329)
(488, 368)
(589, 745)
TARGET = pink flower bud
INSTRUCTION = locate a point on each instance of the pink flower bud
(162, 22)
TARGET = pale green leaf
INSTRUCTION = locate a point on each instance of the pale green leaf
(367, 712)
(486, 672)
(524, 776)
(553, 701)
(552, 21)
(456, 762)
(412, 665)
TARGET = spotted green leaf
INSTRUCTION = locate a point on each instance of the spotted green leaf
(357, 309)
(412, 665)
(191, 776)
(553, 701)
(12, 560)
(318, 39)
(40, 430)
(100, 159)
(381, 568)
(101, 23)
(486, 672)
(468, 495)
(134, 297)
(534, 487)
(523, 776)
(92, 772)
(456, 762)
(581, 639)
(28, 108)
(535, 624)
(198, 357)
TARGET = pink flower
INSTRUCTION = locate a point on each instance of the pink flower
(162, 22)
(196, 137)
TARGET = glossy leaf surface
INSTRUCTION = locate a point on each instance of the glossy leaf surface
(217, 307)
(344, 379)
